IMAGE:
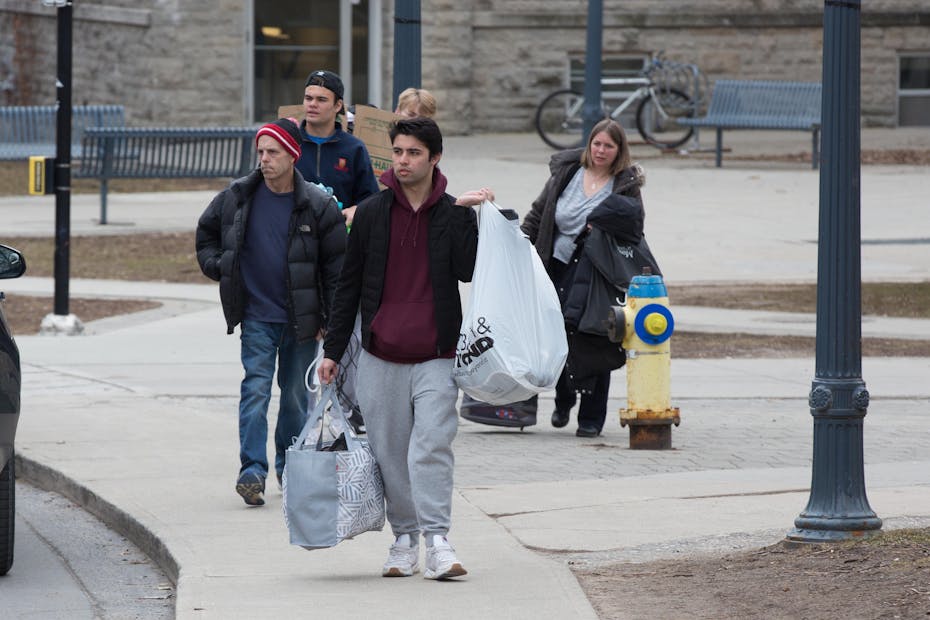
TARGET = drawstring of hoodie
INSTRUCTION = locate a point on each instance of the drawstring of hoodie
(416, 228)
(436, 192)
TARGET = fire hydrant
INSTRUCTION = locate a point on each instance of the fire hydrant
(644, 325)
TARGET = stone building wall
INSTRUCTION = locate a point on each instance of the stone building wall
(170, 62)
(521, 47)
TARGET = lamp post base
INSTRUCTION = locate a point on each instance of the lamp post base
(821, 530)
(61, 324)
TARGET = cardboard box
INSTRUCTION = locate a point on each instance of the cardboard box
(291, 111)
(371, 127)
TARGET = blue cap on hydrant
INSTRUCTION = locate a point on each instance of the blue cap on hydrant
(654, 322)
(647, 286)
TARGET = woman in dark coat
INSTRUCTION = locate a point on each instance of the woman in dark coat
(582, 179)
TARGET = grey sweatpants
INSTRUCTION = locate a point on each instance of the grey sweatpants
(411, 421)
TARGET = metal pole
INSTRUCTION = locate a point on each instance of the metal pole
(63, 160)
(591, 113)
(374, 53)
(407, 52)
(838, 508)
(345, 51)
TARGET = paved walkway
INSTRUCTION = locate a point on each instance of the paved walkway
(137, 418)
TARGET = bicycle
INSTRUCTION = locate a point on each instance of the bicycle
(559, 117)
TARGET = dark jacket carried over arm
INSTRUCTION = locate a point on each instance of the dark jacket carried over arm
(453, 244)
(616, 224)
(316, 245)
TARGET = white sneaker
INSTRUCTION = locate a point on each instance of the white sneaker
(441, 562)
(403, 558)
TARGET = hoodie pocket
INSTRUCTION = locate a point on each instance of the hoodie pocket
(405, 330)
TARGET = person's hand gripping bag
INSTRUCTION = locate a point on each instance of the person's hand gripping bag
(512, 344)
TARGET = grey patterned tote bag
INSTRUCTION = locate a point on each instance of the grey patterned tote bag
(332, 489)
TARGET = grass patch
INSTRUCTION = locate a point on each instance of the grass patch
(170, 257)
(898, 299)
(910, 536)
(148, 257)
(14, 181)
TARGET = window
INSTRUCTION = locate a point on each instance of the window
(914, 90)
(295, 37)
(292, 38)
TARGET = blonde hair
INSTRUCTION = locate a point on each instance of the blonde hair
(615, 130)
(417, 102)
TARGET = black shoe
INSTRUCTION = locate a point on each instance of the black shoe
(252, 489)
(559, 418)
(587, 431)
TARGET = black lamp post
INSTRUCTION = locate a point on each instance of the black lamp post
(838, 508)
(407, 47)
(591, 112)
(63, 159)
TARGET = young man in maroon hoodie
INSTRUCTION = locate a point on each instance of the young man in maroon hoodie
(409, 248)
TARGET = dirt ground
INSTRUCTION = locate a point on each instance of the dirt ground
(885, 577)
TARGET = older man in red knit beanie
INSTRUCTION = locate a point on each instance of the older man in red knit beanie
(275, 243)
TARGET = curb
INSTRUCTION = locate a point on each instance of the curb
(122, 522)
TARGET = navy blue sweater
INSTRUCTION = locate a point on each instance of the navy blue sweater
(342, 163)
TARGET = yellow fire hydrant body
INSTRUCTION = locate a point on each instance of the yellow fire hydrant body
(647, 325)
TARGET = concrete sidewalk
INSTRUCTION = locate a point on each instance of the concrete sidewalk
(137, 419)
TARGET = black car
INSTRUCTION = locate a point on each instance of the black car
(12, 265)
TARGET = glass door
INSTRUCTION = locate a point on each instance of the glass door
(293, 38)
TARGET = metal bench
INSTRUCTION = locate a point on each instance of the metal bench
(162, 153)
(31, 130)
(756, 104)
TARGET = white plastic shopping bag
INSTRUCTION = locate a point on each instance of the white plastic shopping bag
(512, 344)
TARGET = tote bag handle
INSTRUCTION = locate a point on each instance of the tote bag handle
(327, 396)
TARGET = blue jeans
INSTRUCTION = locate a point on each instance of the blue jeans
(262, 343)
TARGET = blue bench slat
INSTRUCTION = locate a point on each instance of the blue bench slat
(164, 152)
(31, 130)
(138, 152)
(752, 122)
(761, 104)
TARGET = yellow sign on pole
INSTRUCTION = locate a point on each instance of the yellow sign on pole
(41, 175)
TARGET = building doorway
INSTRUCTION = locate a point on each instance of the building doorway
(294, 37)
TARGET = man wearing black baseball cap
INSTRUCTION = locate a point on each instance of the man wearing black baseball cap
(330, 156)
(340, 161)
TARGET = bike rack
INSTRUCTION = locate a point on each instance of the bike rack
(687, 78)
(661, 75)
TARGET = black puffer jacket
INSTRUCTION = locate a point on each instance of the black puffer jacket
(453, 245)
(316, 245)
(539, 223)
